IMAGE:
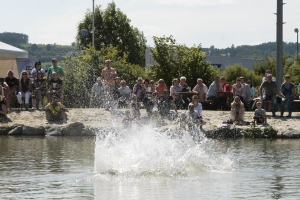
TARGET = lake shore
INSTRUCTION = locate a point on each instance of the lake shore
(98, 118)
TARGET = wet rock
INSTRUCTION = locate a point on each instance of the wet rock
(5, 129)
(290, 133)
(27, 130)
(224, 132)
(54, 131)
(16, 131)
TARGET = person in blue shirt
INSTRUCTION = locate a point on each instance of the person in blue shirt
(287, 93)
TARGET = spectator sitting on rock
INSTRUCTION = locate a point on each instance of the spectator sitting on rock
(55, 111)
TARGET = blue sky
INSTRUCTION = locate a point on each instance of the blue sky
(208, 22)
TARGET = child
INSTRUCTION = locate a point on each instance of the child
(192, 116)
(135, 107)
(259, 114)
(237, 110)
(155, 118)
(127, 120)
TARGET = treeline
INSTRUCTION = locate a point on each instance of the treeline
(45, 52)
(14, 39)
(253, 51)
(42, 52)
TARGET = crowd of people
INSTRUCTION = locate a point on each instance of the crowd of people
(45, 90)
(159, 100)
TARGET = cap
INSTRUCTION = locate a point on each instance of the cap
(140, 78)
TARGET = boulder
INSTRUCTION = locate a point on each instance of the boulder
(27, 130)
(5, 129)
(16, 131)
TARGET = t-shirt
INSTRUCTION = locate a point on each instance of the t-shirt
(11, 82)
(268, 88)
(139, 90)
(34, 71)
(175, 89)
(260, 113)
(201, 90)
(56, 84)
(238, 90)
(161, 88)
(57, 69)
(124, 91)
(287, 91)
(212, 90)
(198, 109)
(97, 89)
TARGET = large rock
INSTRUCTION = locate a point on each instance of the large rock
(72, 129)
(27, 130)
(16, 131)
(5, 129)
(290, 133)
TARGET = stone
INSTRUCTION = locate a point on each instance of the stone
(16, 131)
(27, 130)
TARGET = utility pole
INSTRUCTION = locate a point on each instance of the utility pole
(297, 31)
(279, 48)
(93, 27)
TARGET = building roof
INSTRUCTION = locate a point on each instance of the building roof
(225, 61)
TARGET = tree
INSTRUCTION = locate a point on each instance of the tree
(15, 39)
(175, 60)
(233, 71)
(34, 47)
(112, 28)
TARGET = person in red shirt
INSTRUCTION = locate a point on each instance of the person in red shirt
(225, 88)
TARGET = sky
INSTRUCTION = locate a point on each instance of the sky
(207, 22)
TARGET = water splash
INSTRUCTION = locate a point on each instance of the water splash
(146, 151)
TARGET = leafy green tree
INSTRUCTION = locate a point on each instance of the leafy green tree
(233, 71)
(82, 71)
(15, 39)
(176, 60)
(112, 28)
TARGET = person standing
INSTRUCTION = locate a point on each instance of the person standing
(246, 93)
(55, 68)
(37, 68)
(268, 91)
(287, 93)
(11, 84)
(98, 93)
(109, 75)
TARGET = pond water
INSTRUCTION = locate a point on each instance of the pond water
(146, 164)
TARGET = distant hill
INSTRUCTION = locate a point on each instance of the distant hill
(247, 51)
(45, 52)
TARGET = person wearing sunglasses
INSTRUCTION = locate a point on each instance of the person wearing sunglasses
(25, 87)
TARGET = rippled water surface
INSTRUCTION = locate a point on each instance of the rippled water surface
(146, 164)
